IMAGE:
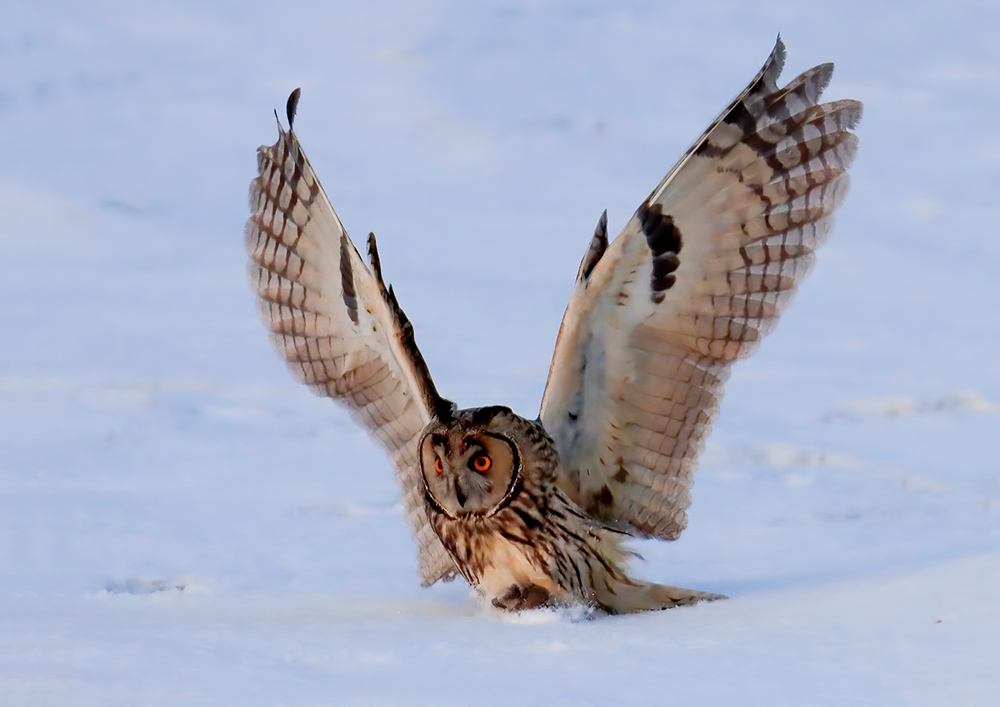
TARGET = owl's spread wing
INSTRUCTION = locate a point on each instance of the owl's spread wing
(338, 327)
(696, 278)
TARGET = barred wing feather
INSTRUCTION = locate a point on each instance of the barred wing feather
(693, 282)
(337, 326)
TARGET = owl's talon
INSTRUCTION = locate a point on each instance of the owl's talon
(520, 598)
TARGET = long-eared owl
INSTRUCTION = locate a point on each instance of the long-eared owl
(533, 512)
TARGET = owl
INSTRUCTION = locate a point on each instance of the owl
(534, 512)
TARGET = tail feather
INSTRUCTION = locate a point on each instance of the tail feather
(607, 585)
(622, 595)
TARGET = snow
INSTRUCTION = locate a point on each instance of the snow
(180, 523)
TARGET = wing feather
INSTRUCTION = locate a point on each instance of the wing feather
(340, 330)
(695, 280)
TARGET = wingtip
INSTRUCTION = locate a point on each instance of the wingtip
(778, 54)
(598, 244)
(292, 105)
(374, 260)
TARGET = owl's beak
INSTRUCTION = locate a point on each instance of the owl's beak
(460, 495)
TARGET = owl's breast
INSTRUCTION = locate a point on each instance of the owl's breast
(509, 564)
(490, 559)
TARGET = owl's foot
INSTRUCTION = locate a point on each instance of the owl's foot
(521, 597)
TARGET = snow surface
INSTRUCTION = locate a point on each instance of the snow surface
(180, 523)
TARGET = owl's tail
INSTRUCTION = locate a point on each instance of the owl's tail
(614, 591)
(619, 594)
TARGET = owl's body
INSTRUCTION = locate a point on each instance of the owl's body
(533, 512)
(518, 538)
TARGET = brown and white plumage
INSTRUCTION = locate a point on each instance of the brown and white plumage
(656, 318)
(338, 327)
(693, 282)
(514, 534)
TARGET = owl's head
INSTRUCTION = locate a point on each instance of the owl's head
(472, 464)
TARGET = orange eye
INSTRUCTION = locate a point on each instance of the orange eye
(482, 463)
(438, 466)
